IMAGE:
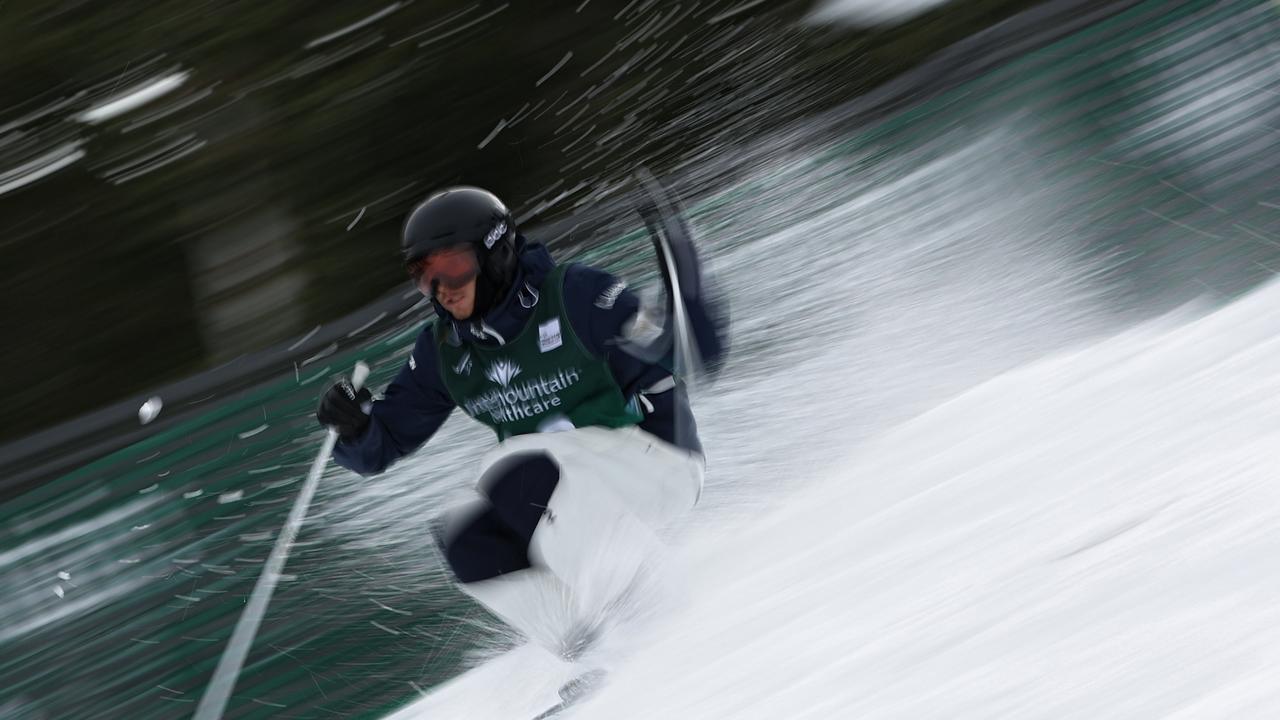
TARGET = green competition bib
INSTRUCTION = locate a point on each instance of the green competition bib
(543, 379)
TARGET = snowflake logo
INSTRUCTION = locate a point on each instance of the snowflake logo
(503, 372)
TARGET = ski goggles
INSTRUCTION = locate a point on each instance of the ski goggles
(451, 268)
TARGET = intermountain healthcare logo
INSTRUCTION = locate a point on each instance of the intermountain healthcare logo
(517, 401)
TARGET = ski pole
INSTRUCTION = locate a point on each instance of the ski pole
(214, 701)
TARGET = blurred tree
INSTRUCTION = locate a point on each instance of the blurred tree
(313, 127)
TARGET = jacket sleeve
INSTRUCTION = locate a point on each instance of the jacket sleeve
(599, 306)
(411, 410)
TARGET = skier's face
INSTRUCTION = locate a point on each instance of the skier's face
(460, 302)
(449, 276)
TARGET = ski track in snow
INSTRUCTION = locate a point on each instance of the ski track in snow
(1092, 535)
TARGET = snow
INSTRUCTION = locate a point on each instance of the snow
(47, 164)
(867, 13)
(133, 98)
(150, 409)
(1092, 535)
(368, 20)
(529, 679)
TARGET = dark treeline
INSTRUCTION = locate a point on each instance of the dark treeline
(321, 123)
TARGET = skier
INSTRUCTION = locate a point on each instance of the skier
(597, 449)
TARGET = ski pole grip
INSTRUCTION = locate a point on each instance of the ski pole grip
(359, 375)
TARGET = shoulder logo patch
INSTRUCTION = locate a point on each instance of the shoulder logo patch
(464, 365)
(607, 298)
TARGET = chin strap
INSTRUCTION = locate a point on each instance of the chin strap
(487, 295)
(497, 271)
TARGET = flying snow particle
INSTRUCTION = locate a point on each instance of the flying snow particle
(870, 13)
(150, 409)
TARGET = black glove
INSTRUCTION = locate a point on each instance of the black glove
(345, 409)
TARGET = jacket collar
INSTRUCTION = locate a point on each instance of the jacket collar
(502, 323)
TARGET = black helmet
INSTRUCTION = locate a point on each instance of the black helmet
(466, 215)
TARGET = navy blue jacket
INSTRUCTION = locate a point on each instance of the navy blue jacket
(416, 403)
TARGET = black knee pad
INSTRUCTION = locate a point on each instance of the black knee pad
(479, 545)
(446, 527)
(519, 487)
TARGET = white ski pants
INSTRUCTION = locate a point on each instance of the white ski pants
(617, 489)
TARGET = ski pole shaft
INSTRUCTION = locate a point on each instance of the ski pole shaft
(218, 692)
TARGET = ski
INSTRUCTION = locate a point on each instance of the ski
(673, 243)
(574, 692)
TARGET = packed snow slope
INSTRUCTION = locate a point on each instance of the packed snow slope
(1092, 535)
